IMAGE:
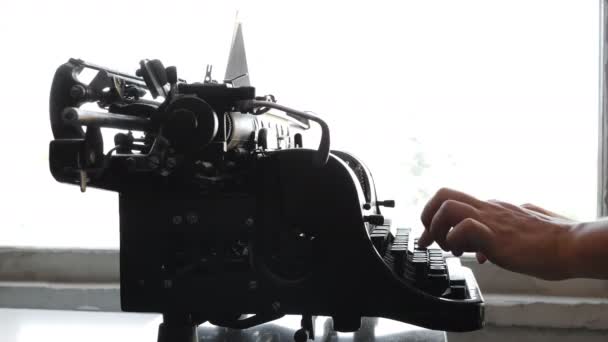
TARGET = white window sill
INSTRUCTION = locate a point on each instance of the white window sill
(89, 280)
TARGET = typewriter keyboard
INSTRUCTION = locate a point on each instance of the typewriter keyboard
(424, 268)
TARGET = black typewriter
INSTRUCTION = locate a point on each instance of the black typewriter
(226, 215)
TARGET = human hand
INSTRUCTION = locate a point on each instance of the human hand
(525, 239)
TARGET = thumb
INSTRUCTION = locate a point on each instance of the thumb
(469, 235)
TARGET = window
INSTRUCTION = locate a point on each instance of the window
(497, 98)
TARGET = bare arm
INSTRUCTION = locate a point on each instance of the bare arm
(525, 239)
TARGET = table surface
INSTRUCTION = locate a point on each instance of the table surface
(33, 325)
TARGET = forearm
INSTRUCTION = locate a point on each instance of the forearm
(586, 250)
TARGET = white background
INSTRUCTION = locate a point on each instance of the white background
(496, 98)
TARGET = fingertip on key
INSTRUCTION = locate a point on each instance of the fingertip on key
(457, 253)
(424, 240)
(481, 258)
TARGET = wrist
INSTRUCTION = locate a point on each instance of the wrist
(585, 250)
(568, 254)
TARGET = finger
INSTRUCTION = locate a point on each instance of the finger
(469, 235)
(481, 258)
(449, 215)
(425, 239)
(441, 196)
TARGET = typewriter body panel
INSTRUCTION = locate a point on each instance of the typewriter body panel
(226, 211)
(308, 250)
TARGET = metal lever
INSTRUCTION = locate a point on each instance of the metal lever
(324, 145)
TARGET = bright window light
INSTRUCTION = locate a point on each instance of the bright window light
(496, 98)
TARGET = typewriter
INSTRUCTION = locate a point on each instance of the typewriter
(229, 216)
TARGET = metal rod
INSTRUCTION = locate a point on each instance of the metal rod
(100, 68)
(77, 116)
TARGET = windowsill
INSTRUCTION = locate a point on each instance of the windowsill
(495, 280)
(89, 280)
(547, 311)
(60, 296)
(28, 264)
